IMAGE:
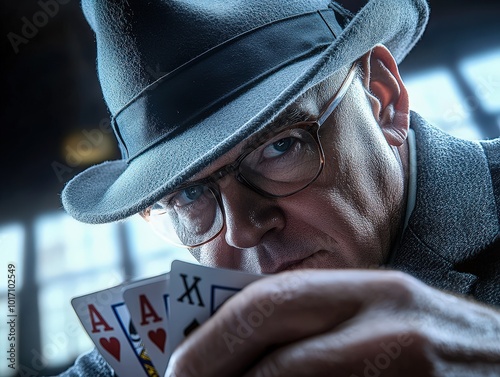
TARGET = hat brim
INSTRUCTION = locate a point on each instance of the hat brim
(115, 190)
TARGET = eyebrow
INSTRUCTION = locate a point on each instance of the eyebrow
(287, 118)
(283, 120)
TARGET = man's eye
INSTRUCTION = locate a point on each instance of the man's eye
(187, 196)
(278, 148)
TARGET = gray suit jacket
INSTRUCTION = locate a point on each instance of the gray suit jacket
(452, 240)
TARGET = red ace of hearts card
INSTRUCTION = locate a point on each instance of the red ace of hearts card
(106, 319)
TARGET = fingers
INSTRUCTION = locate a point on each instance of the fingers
(362, 348)
(259, 318)
(274, 312)
(343, 323)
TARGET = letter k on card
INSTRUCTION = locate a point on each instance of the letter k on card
(196, 292)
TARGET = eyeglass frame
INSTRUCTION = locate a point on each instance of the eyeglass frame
(309, 126)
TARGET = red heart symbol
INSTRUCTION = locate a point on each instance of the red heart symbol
(158, 337)
(112, 346)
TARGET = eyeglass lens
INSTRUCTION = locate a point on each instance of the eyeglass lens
(285, 164)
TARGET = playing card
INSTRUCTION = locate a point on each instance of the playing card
(196, 292)
(106, 319)
(147, 302)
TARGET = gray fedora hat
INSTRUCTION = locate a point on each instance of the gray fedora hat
(230, 67)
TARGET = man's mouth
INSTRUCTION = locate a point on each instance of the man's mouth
(311, 261)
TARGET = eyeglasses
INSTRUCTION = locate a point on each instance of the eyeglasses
(283, 165)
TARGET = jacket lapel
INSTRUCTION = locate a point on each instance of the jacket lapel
(455, 218)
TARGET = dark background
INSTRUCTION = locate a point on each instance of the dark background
(50, 94)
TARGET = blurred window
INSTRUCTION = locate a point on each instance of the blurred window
(76, 259)
(151, 255)
(73, 259)
(482, 73)
(461, 111)
(435, 95)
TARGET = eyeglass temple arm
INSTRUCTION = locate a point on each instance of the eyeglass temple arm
(339, 95)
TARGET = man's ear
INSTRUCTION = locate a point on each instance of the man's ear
(387, 94)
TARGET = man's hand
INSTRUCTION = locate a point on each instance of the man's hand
(343, 323)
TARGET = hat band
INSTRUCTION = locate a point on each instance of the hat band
(169, 105)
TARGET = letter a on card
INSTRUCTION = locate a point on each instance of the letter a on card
(106, 319)
(148, 303)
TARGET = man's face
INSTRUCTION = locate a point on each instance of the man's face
(347, 218)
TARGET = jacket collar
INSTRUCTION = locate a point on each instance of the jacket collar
(455, 215)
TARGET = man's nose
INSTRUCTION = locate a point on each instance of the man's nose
(250, 217)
